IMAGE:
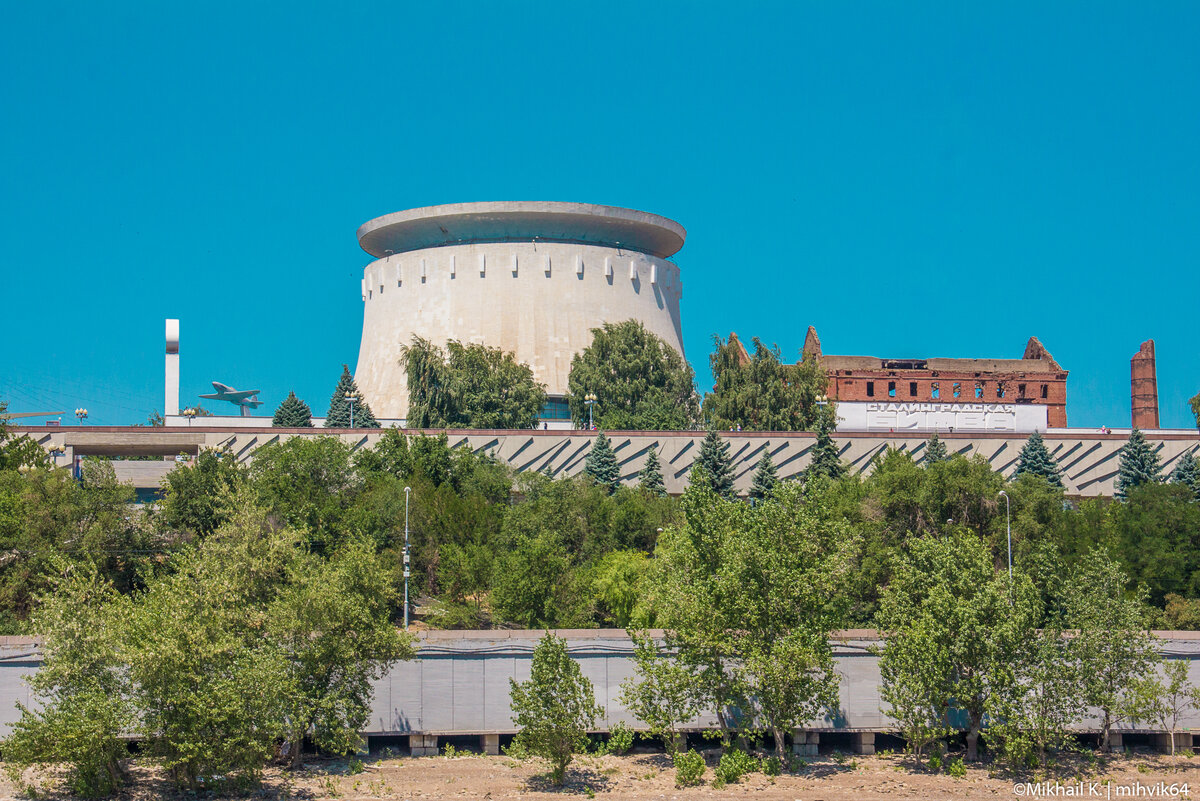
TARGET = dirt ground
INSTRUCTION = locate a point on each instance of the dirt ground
(651, 776)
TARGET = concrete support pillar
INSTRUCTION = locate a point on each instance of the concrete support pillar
(1115, 741)
(1162, 742)
(489, 743)
(805, 743)
(423, 744)
(864, 742)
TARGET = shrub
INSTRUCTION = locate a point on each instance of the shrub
(620, 739)
(935, 761)
(956, 768)
(773, 766)
(734, 765)
(689, 768)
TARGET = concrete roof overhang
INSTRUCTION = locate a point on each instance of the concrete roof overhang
(521, 221)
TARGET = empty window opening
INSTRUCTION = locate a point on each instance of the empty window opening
(978, 390)
(381, 289)
(891, 389)
(935, 391)
(956, 388)
(912, 389)
(1020, 390)
(1045, 391)
(870, 389)
(999, 389)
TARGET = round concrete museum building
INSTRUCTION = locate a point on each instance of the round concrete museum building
(531, 278)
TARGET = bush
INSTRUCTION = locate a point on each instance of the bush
(734, 765)
(935, 761)
(689, 768)
(620, 739)
(772, 766)
(956, 768)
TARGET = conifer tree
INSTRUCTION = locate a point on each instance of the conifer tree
(935, 451)
(765, 478)
(1139, 465)
(1036, 460)
(1187, 472)
(716, 464)
(825, 458)
(292, 413)
(339, 406)
(650, 477)
(601, 464)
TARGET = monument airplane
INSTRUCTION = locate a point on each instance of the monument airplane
(245, 399)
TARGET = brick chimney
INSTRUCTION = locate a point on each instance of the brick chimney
(1144, 387)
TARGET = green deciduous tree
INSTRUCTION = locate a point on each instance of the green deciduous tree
(713, 466)
(555, 708)
(1035, 459)
(293, 413)
(339, 414)
(662, 693)
(601, 466)
(641, 383)
(196, 496)
(765, 478)
(1139, 464)
(1195, 404)
(469, 386)
(760, 393)
(953, 625)
(935, 451)
(83, 695)
(650, 477)
(1112, 645)
(748, 597)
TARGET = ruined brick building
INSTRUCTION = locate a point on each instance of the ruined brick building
(1035, 379)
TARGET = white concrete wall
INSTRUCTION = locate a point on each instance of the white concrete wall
(536, 300)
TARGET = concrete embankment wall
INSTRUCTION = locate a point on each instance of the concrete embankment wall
(459, 684)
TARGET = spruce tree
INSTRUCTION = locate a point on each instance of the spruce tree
(935, 451)
(650, 477)
(1035, 459)
(765, 478)
(716, 464)
(601, 464)
(1139, 465)
(339, 407)
(292, 413)
(825, 458)
(1187, 472)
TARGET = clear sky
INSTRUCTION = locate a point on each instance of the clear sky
(914, 179)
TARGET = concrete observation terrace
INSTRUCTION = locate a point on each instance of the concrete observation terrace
(1087, 457)
(458, 686)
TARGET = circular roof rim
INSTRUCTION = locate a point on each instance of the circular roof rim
(633, 218)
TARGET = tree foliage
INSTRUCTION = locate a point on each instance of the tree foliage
(1139, 465)
(339, 414)
(759, 392)
(765, 480)
(650, 477)
(469, 386)
(1187, 473)
(601, 466)
(935, 451)
(1035, 459)
(293, 413)
(640, 382)
(713, 466)
(826, 460)
(554, 708)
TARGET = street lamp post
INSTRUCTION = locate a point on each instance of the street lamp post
(81, 414)
(351, 398)
(590, 400)
(1008, 525)
(190, 414)
(407, 490)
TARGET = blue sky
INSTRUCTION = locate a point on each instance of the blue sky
(914, 179)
